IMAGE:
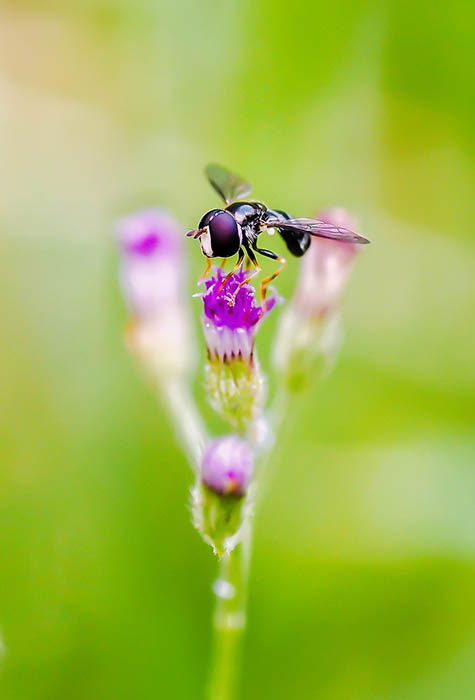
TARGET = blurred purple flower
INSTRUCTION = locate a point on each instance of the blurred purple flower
(151, 270)
(152, 267)
(310, 333)
(325, 268)
(227, 466)
(230, 328)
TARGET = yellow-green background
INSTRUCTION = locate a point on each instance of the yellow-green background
(362, 584)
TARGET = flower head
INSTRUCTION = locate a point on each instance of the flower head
(152, 269)
(325, 268)
(231, 316)
(220, 497)
(227, 466)
(310, 332)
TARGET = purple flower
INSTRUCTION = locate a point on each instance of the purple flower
(227, 466)
(230, 328)
(152, 267)
(325, 269)
(152, 261)
(309, 332)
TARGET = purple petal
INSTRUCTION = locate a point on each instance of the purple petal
(227, 466)
(243, 313)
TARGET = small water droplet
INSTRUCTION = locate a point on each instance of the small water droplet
(223, 589)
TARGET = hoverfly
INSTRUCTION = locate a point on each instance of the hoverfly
(235, 229)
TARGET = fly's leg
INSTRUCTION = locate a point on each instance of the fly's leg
(255, 272)
(235, 268)
(206, 272)
(267, 280)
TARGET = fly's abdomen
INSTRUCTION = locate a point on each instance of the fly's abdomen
(297, 242)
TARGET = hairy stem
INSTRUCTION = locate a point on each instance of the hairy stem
(229, 619)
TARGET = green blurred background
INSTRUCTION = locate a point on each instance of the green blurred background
(363, 582)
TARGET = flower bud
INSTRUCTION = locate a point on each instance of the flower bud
(227, 466)
(152, 268)
(325, 269)
(310, 334)
(236, 387)
(219, 503)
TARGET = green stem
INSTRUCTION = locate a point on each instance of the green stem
(231, 586)
(229, 619)
(186, 419)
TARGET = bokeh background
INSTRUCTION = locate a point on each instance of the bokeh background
(363, 582)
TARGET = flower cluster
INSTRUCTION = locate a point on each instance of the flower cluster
(227, 467)
(152, 268)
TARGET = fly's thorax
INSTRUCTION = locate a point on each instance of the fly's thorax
(249, 216)
(276, 214)
(251, 233)
(247, 213)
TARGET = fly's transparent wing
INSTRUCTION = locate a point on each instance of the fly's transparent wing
(228, 185)
(314, 227)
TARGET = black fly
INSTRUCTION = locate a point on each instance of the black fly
(236, 228)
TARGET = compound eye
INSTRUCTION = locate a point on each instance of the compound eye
(207, 217)
(225, 233)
